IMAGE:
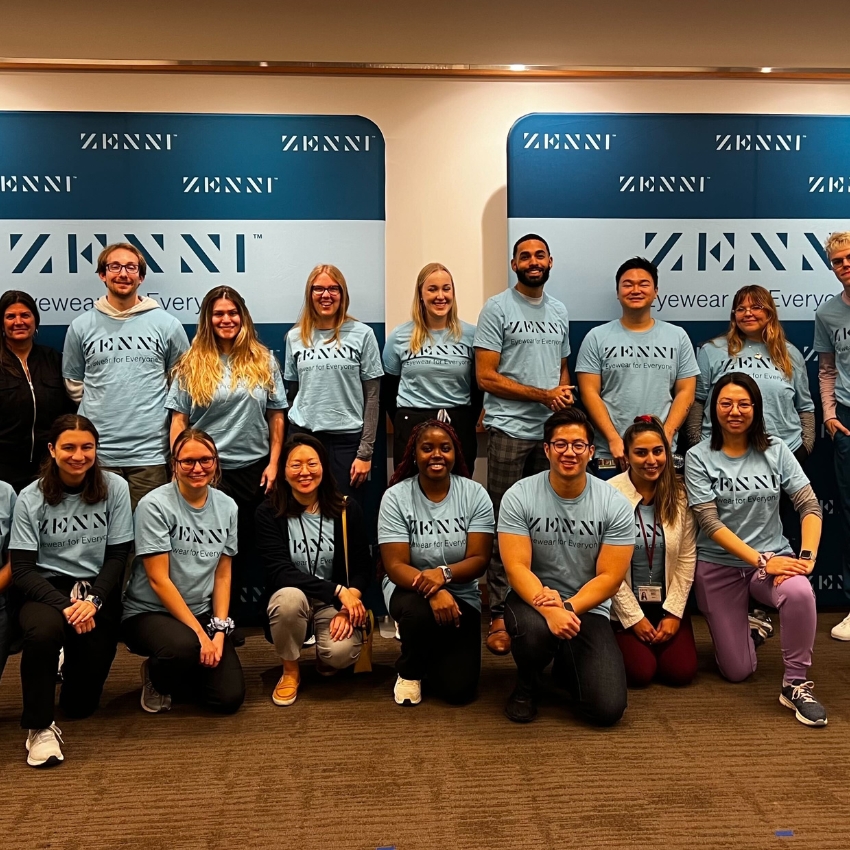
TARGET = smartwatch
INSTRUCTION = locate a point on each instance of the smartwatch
(96, 601)
(447, 574)
(568, 606)
(807, 555)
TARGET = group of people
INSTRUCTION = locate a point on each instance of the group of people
(136, 447)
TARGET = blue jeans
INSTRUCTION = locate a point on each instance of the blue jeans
(590, 665)
(5, 633)
(841, 452)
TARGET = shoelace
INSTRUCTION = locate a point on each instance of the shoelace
(53, 729)
(803, 692)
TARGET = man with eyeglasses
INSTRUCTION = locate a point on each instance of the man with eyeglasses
(566, 540)
(634, 365)
(832, 342)
(116, 362)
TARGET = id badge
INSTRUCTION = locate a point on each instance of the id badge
(649, 593)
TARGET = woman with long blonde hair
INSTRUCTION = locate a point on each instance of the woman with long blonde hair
(333, 368)
(229, 385)
(430, 366)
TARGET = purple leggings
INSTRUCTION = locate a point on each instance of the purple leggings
(723, 595)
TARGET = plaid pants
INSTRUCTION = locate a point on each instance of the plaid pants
(508, 460)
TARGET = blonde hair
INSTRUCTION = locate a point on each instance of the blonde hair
(421, 331)
(773, 336)
(307, 320)
(199, 371)
(836, 241)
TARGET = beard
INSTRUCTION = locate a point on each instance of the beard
(521, 277)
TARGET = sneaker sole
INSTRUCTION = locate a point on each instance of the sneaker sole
(838, 637)
(283, 702)
(408, 702)
(153, 710)
(806, 722)
(53, 761)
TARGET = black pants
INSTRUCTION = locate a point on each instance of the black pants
(175, 662)
(243, 486)
(463, 420)
(448, 657)
(791, 526)
(590, 665)
(341, 449)
(88, 658)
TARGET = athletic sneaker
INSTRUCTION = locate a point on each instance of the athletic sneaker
(407, 691)
(43, 748)
(798, 696)
(521, 706)
(761, 628)
(152, 700)
(59, 673)
(311, 641)
(842, 630)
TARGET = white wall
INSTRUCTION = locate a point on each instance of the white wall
(446, 161)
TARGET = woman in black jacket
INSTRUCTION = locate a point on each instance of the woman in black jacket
(32, 393)
(310, 573)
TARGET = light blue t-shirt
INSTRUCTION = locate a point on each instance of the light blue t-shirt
(436, 531)
(194, 538)
(7, 506)
(124, 366)
(70, 538)
(566, 534)
(639, 370)
(783, 399)
(651, 534)
(236, 418)
(330, 377)
(832, 336)
(746, 491)
(305, 541)
(532, 340)
(439, 375)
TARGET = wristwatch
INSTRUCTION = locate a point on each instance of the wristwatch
(807, 555)
(96, 601)
(568, 606)
(447, 574)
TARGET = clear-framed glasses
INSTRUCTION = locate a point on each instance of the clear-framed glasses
(838, 262)
(206, 463)
(312, 466)
(750, 308)
(743, 406)
(130, 268)
(579, 447)
(333, 291)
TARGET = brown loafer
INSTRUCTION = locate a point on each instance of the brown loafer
(286, 690)
(498, 639)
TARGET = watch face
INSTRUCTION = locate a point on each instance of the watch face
(806, 555)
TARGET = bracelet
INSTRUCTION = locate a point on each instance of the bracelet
(216, 625)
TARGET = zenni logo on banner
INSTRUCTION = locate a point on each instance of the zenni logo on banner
(304, 143)
(127, 141)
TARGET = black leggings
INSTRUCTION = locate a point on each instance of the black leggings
(448, 657)
(175, 662)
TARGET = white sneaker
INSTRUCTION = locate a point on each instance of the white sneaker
(152, 700)
(43, 748)
(407, 691)
(842, 630)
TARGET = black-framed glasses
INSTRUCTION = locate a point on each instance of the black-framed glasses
(579, 447)
(333, 291)
(206, 463)
(130, 268)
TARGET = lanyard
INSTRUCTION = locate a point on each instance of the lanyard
(313, 568)
(650, 550)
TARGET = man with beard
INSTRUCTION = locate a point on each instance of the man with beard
(521, 348)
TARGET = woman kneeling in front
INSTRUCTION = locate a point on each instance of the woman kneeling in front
(312, 542)
(435, 529)
(177, 600)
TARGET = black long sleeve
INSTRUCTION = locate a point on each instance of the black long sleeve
(389, 394)
(112, 572)
(32, 583)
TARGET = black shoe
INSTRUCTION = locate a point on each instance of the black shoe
(521, 706)
(238, 637)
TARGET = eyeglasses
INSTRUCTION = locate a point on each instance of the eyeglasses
(838, 262)
(206, 463)
(743, 406)
(297, 466)
(750, 308)
(131, 268)
(333, 291)
(579, 447)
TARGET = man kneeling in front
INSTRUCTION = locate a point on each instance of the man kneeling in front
(566, 540)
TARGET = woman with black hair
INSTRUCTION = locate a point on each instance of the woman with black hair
(70, 539)
(32, 392)
(312, 542)
(435, 529)
(734, 481)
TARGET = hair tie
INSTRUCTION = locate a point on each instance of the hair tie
(645, 417)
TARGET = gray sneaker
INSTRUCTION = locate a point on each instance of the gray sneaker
(798, 697)
(152, 700)
(44, 747)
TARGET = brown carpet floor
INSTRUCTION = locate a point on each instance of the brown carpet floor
(714, 765)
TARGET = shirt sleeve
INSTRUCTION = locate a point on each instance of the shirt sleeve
(823, 338)
(588, 359)
(565, 342)
(392, 361)
(704, 377)
(73, 361)
(152, 524)
(24, 526)
(392, 527)
(688, 366)
(277, 397)
(800, 377)
(178, 399)
(512, 518)
(620, 528)
(120, 513)
(481, 517)
(231, 545)
(178, 344)
(370, 358)
(697, 480)
(489, 332)
(290, 369)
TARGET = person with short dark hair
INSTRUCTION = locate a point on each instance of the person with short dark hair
(521, 348)
(734, 481)
(567, 540)
(116, 362)
(435, 530)
(177, 602)
(70, 539)
(632, 364)
(32, 394)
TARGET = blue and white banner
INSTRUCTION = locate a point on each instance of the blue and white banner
(717, 201)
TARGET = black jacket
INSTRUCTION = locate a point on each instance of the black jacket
(271, 537)
(22, 441)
